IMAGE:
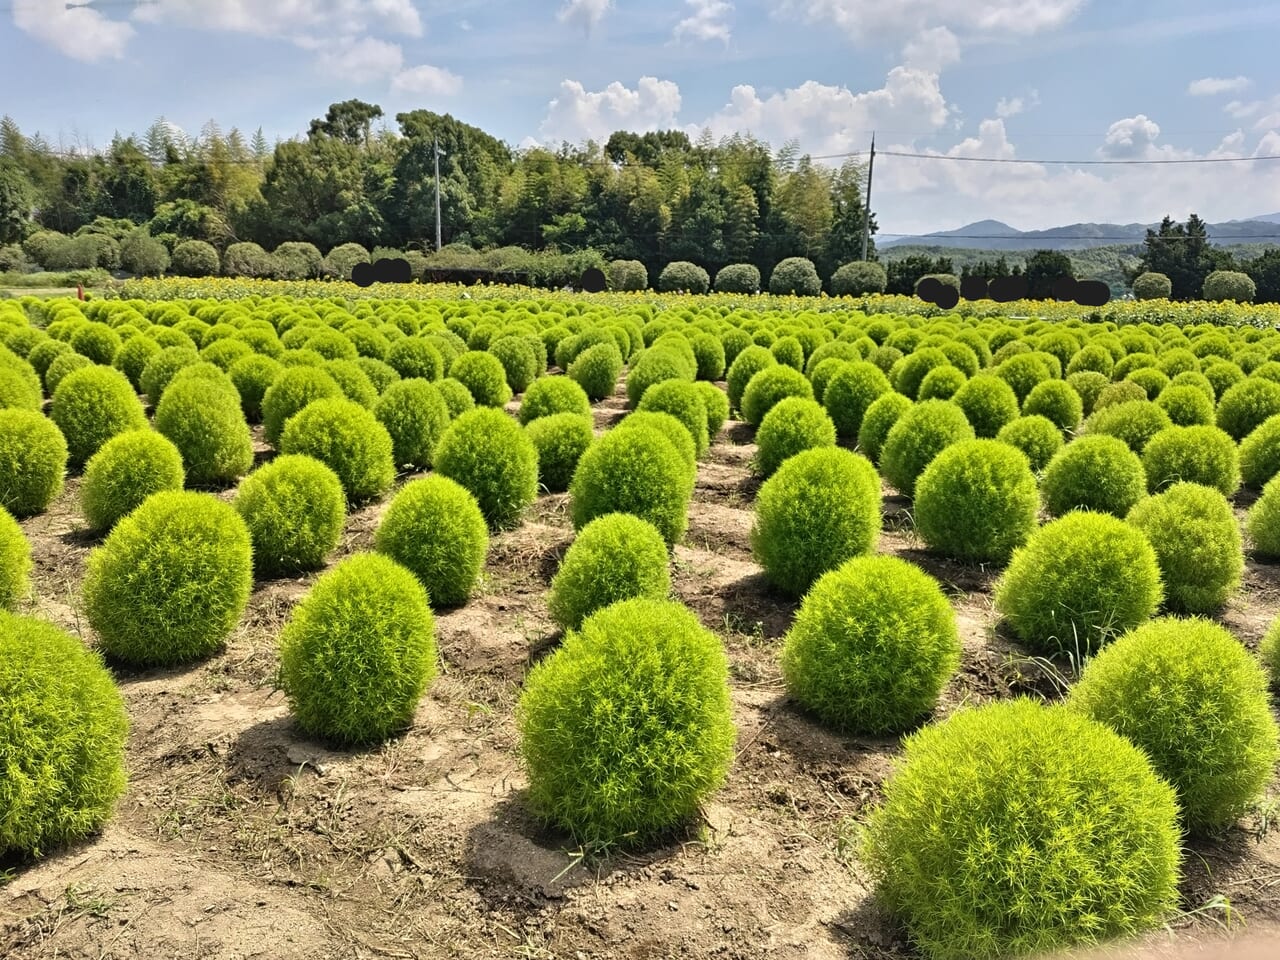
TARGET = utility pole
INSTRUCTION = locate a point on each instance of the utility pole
(436, 143)
(866, 213)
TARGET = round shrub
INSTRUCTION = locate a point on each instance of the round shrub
(455, 396)
(615, 557)
(195, 258)
(162, 368)
(15, 562)
(745, 366)
(821, 508)
(1089, 386)
(1133, 421)
(289, 393)
(1245, 405)
(518, 361)
(1037, 437)
(1262, 522)
(1269, 653)
(63, 728)
(849, 394)
(909, 372)
(550, 395)
(627, 728)
(768, 387)
(1189, 695)
(412, 357)
(795, 276)
(1229, 285)
(941, 383)
(1260, 454)
(415, 416)
(435, 529)
(1204, 455)
(484, 377)
(125, 471)
(709, 352)
(683, 400)
(673, 430)
(988, 403)
(92, 405)
(872, 646)
(133, 356)
(881, 416)
(381, 375)
(19, 392)
(596, 370)
(1022, 372)
(681, 276)
(349, 440)
(1152, 286)
(961, 848)
(1078, 582)
(793, 425)
(252, 376)
(488, 453)
(738, 278)
(637, 470)
(358, 652)
(858, 279)
(46, 351)
(790, 351)
(294, 508)
(1056, 401)
(97, 341)
(1197, 543)
(33, 462)
(717, 404)
(654, 366)
(204, 421)
(1186, 406)
(628, 275)
(560, 441)
(352, 381)
(1098, 473)
(919, 435)
(977, 501)
(205, 552)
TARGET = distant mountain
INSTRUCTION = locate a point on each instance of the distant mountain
(994, 235)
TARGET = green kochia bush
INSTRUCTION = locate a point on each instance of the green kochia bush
(415, 416)
(655, 365)
(628, 726)
(289, 393)
(1057, 401)
(1078, 582)
(252, 376)
(1244, 406)
(128, 469)
(162, 367)
(1015, 828)
(349, 440)
(146, 618)
(63, 728)
(921, 433)
(91, 406)
(717, 404)
(551, 395)
(615, 557)
(58, 371)
(484, 377)
(488, 453)
(977, 501)
(941, 383)
(1097, 473)
(683, 399)
(15, 562)
(33, 462)
(793, 425)
(1269, 653)
(1263, 521)
(745, 366)
(637, 470)
(1197, 542)
(1036, 436)
(1260, 454)
(597, 369)
(294, 508)
(435, 529)
(1188, 694)
(560, 441)
(1187, 405)
(456, 396)
(1199, 454)
(1133, 421)
(881, 415)
(849, 394)
(821, 508)
(872, 646)
(204, 421)
(358, 652)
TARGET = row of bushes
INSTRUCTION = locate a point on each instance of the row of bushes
(794, 276)
(1218, 286)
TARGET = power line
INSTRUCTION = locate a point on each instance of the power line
(1073, 163)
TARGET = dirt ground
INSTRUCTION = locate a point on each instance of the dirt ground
(240, 838)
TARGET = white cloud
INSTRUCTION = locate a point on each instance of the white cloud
(427, 80)
(578, 114)
(872, 19)
(81, 33)
(707, 22)
(1212, 86)
(932, 50)
(361, 61)
(287, 18)
(587, 12)
(1008, 107)
(1134, 138)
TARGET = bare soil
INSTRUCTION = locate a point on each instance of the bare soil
(240, 838)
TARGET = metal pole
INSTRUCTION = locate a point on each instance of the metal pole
(436, 144)
(866, 214)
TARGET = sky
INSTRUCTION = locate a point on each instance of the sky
(1060, 80)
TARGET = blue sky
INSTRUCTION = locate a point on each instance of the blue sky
(1019, 79)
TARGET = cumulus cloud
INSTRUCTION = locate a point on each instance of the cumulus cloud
(578, 114)
(426, 80)
(1008, 107)
(81, 33)
(872, 19)
(1213, 86)
(589, 13)
(932, 50)
(706, 23)
(287, 18)
(1134, 138)
(359, 60)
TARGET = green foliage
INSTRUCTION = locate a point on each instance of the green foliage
(1187, 406)
(1269, 652)
(435, 529)
(1151, 380)
(63, 728)
(163, 367)
(821, 508)
(793, 425)
(252, 376)
(33, 462)
(872, 646)
(1245, 405)
(717, 403)
(92, 405)
(615, 557)
(62, 365)
(289, 393)
(518, 360)
(125, 471)
(15, 562)
(171, 581)
(247, 259)
(627, 275)
(1098, 473)
(352, 381)
(1201, 454)
(1057, 401)
(415, 416)
(484, 377)
(681, 275)
(456, 396)
(204, 421)
(750, 361)
(1229, 285)
(596, 369)
(881, 416)
(909, 372)
(1188, 694)
(358, 652)
(294, 508)
(1015, 828)
(96, 341)
(988, 403)
(858, 278)
(1078, 582)
(768, 387)
(560, 441)
(195, 258)
(349, 440)
(487, 452)
(709, 352)
(17, 392)
(738, 278)
(795, 276)
(1133, 421)
(941, 383)
(654, 365)
(849, 394)
(788, 350)
(1152, 286)
(977, 501)
(413, 357)
(1262, 522)
(683, 399)
(919, 435)
(1197, 543)
(627, 727)
(1260, 454)
(1037, 437)
(550, 395)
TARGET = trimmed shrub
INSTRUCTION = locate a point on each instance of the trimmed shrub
(1080, 581)
(793, 425)
(941, 383)
(63, 728)
(596, 370)
(488, 453)
(1133, 421)
(92, 405)
(97, 341)
(919, 435)
(349, 440)
(881, 416)
(709, 352)
(738, 278)
(1260, 454)
(383, 375)
(1269, 653)
(1056, 401)
(637, 470)
(977, 501)
(1090, 386)
(654, 366)
(1229, 285)
(1186, 406)
(681, 276)
(252, 376)
(352, 381)
(15, 562)
(627, 727)
(821, 508)
(1262, 522)
(1152, 286)
(204, 421)
(717, 404)
(33, 462)
(293, 390)
(415, 417)
(484, 377)
(858, 279)
(849, 394)
(1197, 543)
(206, 553)
(872, 646)
(125, 471)
(518, 360)
(456, 396)
(673, 430)
(195, 258)
(294, 508)
(358, 652)
(560, 441)
(1098, 473)
(62, 365)
(162, 368)
(1204, 455)
(411, 357)
(1037, 437)
(1189, 695)
(435, 529)
(768, 387)
(909, 372)
(1245, 405)
(962, 851)
(1151, 380)
(627, 275)
(550, 395)
(615, 557)
(988, 403)
(796, 277)
(683, 400)
(750, 361)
